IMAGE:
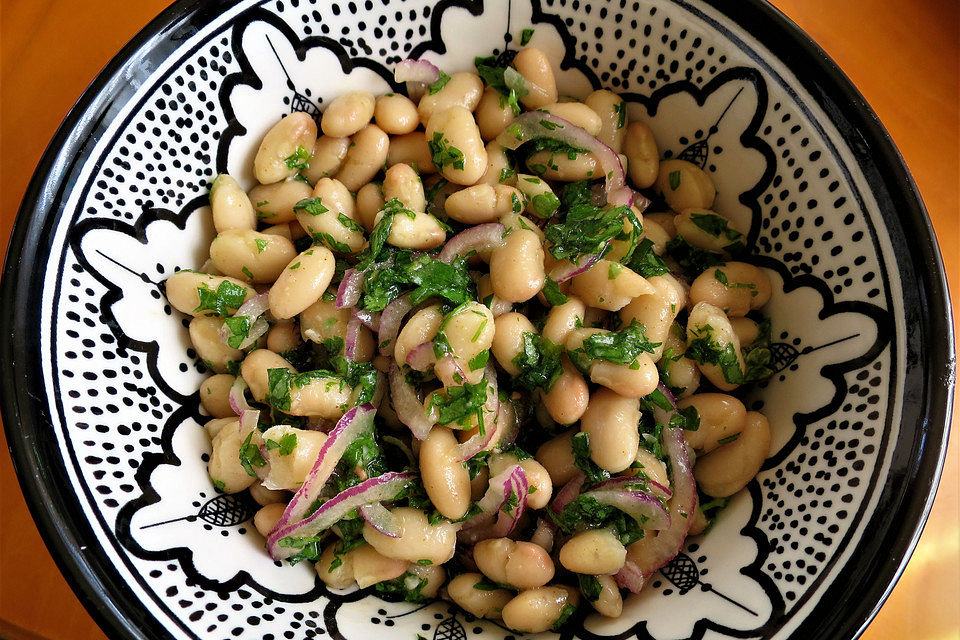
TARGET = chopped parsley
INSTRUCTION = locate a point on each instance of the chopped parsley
(585, 230)
(285, 445)
(715, 225)
(378, 238)
(441, 82)
(443, 154)
(525, 36)
(506, 174)
(692, 260)
(538, 363)
(427, 275)
(313, 206)
(478, 462)
(545, 204)
(299, 159)
(721, 277)
(728, 439)
(491, 69)
(645, 261)
(261, 244)
(281, 380)
(250, 455)
(565, 613)
(619, 347)
(479, 361)
(620, 108)
(239, 330)
(551, 291)
(674, 179)
(585, 511)
(247, 272)
(580, 445)
(705, 350)
(590, 587)
(223, 300)
(458, 404)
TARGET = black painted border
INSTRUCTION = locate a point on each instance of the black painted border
(900, 204)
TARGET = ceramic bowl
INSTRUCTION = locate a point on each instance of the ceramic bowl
(100, 397)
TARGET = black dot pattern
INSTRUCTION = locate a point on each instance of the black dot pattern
(164, 156)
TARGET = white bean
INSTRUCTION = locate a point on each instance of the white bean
(230, 206)
(611, 422)
(347, 114)
(285, 147)
(418, 540)
(302, 283)
(733, 465)
(446, 481)
(275, 202)
(594, 552)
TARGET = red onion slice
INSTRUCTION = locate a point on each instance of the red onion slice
(568, 492)
(544, 534)
(237, 397)
(348, 293)
(491, 410)
(421, 357)
(390, 321)
(380, 518)
(640, 506)
(566, 269)
(254, 308)
(620, 482)
(418, 74)
(651, 553)
(449, 372)
(507, 521)
(249, 419)
(385, 487)
(483, 237)
(630, 577)
(353, 423)
(409, 409)
(370, 319)
(515, 81)
(352, 337)
(530, 126)
(410, 70)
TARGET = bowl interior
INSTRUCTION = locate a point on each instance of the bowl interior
(119, 379)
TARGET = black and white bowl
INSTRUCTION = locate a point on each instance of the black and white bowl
(100, 400)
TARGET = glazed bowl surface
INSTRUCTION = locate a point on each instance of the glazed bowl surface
(101, 405)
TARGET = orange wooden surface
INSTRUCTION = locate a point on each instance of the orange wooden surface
(904, 57)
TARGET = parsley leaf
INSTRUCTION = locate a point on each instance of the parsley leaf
(619, 347)
(261, 244)
(250, 456)
(429, 276)
(590, 587)
(491, 69)
(580, 444)
(585, 230)
(538, 363)
(545, 204)
(223, 300)
(443, 154)
(715, 225)
(239, 330)
(458, 404)
(705, 350)
(441, 82)
(674, 179)
(551, 291)
(757, 364)
(525, 36)
(645, 261)
(299, 159)
(313, 206)
(692, 260)
(286, 444)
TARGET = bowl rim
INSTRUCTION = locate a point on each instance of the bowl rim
(859, 589)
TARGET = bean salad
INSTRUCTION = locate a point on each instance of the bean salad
(478, 342)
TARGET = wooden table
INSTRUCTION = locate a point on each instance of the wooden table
(902, 55)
